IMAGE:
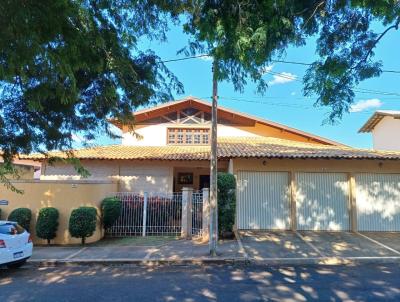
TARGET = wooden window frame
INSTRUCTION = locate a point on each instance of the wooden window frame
(188, 136)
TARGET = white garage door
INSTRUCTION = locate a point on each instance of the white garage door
(263, 200)
(322, 201)
(378, 202)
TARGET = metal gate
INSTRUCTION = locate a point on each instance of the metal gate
(197, 214)
(263, 200)
(148, 214)
(378, 202)
(322, 201)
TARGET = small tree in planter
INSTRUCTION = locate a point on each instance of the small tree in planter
(82, 223)
(111, 210)
(47, 223)
(226, 203)
(22, 216)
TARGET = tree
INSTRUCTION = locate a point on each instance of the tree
(68, 66)
(246, 36)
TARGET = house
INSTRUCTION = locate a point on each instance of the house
(384, 126)
(286, 178)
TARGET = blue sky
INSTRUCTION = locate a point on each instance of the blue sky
(283, 102)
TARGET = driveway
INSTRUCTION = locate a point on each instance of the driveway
(304, 245)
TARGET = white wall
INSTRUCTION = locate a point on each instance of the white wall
(386, 134)
(156, 135)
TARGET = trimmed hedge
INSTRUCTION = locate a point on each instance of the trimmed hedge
(47, 223)
(226, 202)
(22, 216)
(111, 210)
(82, 223)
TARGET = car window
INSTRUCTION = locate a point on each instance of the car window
(11, 229)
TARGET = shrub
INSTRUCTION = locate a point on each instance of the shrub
(0, 214)
(226, 202)
(111, 210)
(47, 223)
(82, 222)
(22, 216)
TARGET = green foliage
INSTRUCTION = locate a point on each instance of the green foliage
(68, 66)
(226, 202)
(0, 214)
(47, 223)
(82, 223)
(111, 210)
(246, 36)
(22, 216)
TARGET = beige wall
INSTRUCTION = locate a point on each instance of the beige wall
(132, 175)
(63, 195)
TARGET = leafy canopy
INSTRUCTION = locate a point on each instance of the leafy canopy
(67, 66)
(245, 36)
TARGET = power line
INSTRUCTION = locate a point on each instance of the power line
(286, 105)
(274, 61)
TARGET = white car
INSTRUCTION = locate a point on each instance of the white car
(15, 244)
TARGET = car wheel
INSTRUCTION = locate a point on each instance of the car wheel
(16, 264)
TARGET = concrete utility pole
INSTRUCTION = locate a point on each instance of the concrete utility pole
(213, 166)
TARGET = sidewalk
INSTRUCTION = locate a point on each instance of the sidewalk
(138, 252)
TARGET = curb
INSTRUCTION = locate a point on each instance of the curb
(139, 262)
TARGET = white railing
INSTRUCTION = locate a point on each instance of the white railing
(148, 214)
(182, 214)
(197, 214)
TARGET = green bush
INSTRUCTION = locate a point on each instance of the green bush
(82, 222)
(226, 202)
(47, 224)
(111, 210)
(0, 214)
(22, 216)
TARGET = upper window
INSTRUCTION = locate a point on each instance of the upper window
(188, 136)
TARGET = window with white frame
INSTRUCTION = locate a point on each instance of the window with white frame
(188, 136)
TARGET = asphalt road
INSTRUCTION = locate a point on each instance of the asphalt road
(208, 283)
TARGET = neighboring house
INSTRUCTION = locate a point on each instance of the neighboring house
(286, 178)
(27, 169)
(385, 128)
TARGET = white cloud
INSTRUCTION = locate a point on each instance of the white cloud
(365, 105)
(282, 78)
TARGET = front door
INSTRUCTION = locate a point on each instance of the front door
(204, 181)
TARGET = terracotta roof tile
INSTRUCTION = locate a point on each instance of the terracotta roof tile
(228, 147)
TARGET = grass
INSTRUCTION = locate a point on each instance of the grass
(135, 241)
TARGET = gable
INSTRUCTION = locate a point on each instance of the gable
(192, 111)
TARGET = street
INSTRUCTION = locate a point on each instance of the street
(373, 282)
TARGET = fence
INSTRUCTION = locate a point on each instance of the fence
(159, 214)
(147, 214)
(197, 214)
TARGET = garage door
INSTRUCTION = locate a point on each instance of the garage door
(378, 202)
(322, 201)
(263, 200)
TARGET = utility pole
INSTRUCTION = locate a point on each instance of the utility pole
(213, 166)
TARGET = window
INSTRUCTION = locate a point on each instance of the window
(188, 136)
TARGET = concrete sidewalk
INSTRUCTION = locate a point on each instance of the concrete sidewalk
(265, 248)
(168, 251)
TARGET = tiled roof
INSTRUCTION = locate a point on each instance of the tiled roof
(228, 147)
(376, 118)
